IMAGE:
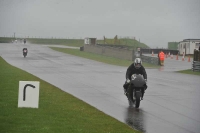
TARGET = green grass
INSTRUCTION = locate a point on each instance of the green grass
(6, 39)
(58, 112)
(131, 43)
(173, 45)
(68, 42)
(189, 71)
(100, 58)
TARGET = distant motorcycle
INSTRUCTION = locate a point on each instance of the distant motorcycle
(136, 90)
(24, 41)
(25, 51)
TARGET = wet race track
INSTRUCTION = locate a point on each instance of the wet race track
(171, 103)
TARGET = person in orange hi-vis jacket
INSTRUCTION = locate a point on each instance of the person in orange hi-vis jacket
(159, 58)
(162, 58)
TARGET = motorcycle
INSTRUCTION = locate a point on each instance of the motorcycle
(25, 51)
(24, 41)
(137, 86)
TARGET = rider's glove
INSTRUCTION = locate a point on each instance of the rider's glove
(127, 80)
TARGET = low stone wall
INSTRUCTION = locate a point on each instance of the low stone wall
(110, 51)
(151, 60)
(118, 53)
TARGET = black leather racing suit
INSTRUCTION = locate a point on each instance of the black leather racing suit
(132, 70)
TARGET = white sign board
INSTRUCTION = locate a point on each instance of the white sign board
(87, 41)
(28, 94)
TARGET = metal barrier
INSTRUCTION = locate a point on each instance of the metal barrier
(82, 48)
(196, 66)
(156, 51)
(196, 56)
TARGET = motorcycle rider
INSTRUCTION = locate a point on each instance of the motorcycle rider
(25, 49)
(135, 68)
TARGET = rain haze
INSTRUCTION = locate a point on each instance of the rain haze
(154, 22)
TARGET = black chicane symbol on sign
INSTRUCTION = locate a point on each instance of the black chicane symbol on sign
(24, 96)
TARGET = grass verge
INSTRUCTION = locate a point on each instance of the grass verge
(189, 71)
(58, 112)
(101, 58)
(54, 41)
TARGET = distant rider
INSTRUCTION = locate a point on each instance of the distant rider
(135, 68)
(24, 41)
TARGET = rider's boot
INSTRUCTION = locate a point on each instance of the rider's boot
(142, 95)
(125, 92)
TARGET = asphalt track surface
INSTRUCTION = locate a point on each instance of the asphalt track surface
(171, 103)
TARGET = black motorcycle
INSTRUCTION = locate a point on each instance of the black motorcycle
(137, 86)
(25, 51)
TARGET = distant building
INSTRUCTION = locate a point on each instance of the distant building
(187, 46)
(91, 41)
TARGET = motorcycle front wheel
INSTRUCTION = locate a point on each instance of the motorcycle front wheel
(130, 97)
(137, 101)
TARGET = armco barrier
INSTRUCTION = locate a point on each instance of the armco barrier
(196, 66)
(196, 61)
(196, 56)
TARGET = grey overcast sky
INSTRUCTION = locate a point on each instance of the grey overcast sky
(154, 22)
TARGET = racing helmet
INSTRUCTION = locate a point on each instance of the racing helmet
(137, 63)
